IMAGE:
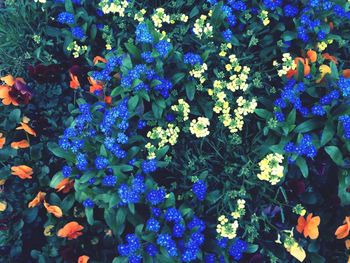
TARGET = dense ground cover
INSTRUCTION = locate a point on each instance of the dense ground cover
(174, 131)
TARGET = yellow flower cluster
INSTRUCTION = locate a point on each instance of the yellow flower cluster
(240, 209)
(264, 17)
(287, 64)
(164, 136)
(139, 16)
(116, 6)
(293, 247)
(201, 27)
(271, 168)
(77, 50)
(322, 46)
(223, 49)
(222, 106)
(159, 17)
(182, 108)
(225, 228)
(198, 71)
(199, 127)
(239, 76)
(299, 210)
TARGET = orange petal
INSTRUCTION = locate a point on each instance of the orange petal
(37, 200)
(9, 80)
(329, 57)
(346, 73)
(22, 171)
(99, 59)
(2, 142)
(342, 231)
(301, 224)
(26, 128)
(53, 209)
(312, 55)
(71, 230)
(347, 244)
(20, 144)
(83, 259)
(108, 99)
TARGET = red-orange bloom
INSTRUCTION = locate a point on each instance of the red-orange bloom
(14, 91)
(70, 230)
(99, 59)
(7, 99)
(53, 209)
(329, 57)
(20, 144)
(95, 85)
(65, 185)
(22, 171)
(346, 73)
(108, 99)
(26, 128)
(2, 140)
(83, 259)
(74, 83)
(309, 226)
(37, 200)
(343, 230)
(312, 55)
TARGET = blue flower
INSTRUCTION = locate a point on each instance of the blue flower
(147, 56)
(163, 47)
(210, 258)
(272, 4)
(227, 34)
(318, 110)
(192, 59)
(88, 203)
(81, 161)
(237, 249)
(149, 166)
(152, 225)
(345, 121)
(172, 215)
(78, 32)
(344, 86)
(101, 162)
(109, 180)
(165, 241)
(151, 250)
(65, 18)
(178, 230)
(142, 34)
(290, 11)
(199, 189)
(66, 171)
(156, 197)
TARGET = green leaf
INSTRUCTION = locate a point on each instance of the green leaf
(89, 212)
(190, 90)
(344, 184)
(132, 103)
(335, 154)
(252, 248)
(334, 70)
(15, 116)
(289, 35)
(69, 6)
(133, 50)
(301, 163)
(328, 133)
(262, 113)
(178, 77)
(59, 152)
(308, 125)
(300, 71)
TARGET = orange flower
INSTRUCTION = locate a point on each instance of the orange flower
(95, 85)
(329, 57)
(99, 59)
(312, 55)
(22, 171)
(309, 226)
(65, 185)
(53, 209)
(83, 259)
(343, 230)
(71, 230)
(5, 96)
(74, 83)
(347, 244)
(37, 200)
(9, 80)
(26, 128)
(2, 140)
(108, 99)
(346, 73)
(14, 91)
(20, 144)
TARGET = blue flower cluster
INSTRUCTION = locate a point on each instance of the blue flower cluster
(111, 64)
(305, 147)
(192, 59)
(78, 32)
(156, 197)
(65, 18)
(344, 86)
(237, 249)
(142, 34)
(149, 166)
(345, 121)
(88, 203)
(131, 248)
(163, 47)
(272, 4)
(199, 189)
(132, 194)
